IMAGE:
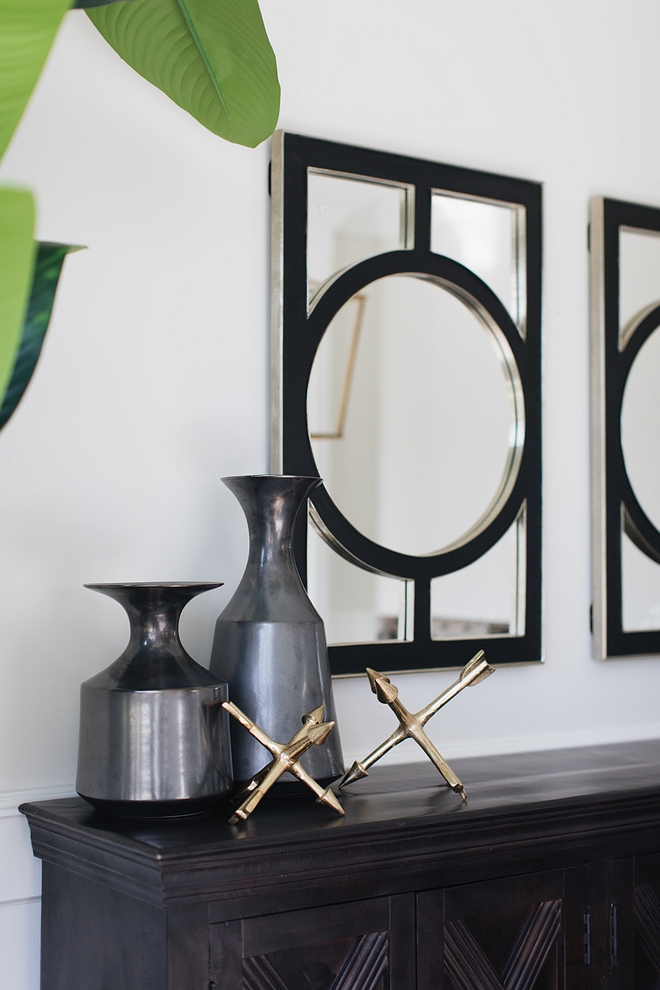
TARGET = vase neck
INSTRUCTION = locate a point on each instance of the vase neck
(155, 626)
(272, 504)
(270, 589)
(153, 612)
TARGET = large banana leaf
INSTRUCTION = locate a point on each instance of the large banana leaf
(49, 261)
(97, 3)
(27, 30)
(17, 250)
(212, 57)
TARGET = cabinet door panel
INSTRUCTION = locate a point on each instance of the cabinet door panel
(647, 923)
(365, 945)
(622, 924)
(611, 924)
(502, 935)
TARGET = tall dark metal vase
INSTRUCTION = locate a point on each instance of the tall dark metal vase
(269, 641)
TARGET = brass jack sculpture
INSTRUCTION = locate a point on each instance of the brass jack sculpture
(412, 726)
(286, 756)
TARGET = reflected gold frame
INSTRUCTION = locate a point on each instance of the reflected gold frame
(338, 433)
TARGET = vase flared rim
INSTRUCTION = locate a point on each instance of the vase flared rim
(283, 477)
(154, 585)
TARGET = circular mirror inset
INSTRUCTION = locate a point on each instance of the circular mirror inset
(640, 427)
(415, 415)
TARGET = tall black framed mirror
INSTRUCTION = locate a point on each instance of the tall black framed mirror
(406, 372)
(625, 305)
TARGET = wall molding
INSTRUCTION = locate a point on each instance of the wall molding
(10, 800)
(20, 900)
(598, 736)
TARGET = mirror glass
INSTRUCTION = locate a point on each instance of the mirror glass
(489, 239)
(639, 274)
(640, 588)
(350, 220)
(488, 597)
(640, 427)
(412, 415)
(357, 606)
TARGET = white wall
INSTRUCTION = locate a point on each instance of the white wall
(153, 380)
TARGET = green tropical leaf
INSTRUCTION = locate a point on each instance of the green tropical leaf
(27, 30)
(17, 250)
(212, 57)
(50, 258)
(97, 3)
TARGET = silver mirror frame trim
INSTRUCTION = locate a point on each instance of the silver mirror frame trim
(598, 453)
(276, 302)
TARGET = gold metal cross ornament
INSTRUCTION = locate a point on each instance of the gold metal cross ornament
(286, 757)
(412, 726)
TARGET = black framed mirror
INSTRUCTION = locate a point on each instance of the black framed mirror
(406, 372)
(625, 305)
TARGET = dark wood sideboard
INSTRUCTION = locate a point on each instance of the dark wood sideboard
(548, 878)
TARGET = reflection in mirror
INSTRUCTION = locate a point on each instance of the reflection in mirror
(414, 415)
(640, 425)
(350, 220)
(640, 588)
(334, 370)
(357, 606)
(488, 597)
(639, 275)
(489, 239)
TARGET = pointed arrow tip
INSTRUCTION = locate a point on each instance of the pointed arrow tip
(315, 716)
(382, 687)
(319, 733)
(329, 798)
(357, 772)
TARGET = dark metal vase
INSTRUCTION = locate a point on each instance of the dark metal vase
(270, 641)
(154, 738)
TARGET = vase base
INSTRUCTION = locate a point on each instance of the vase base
(184, 807)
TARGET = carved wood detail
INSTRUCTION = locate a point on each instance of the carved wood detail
(647, 923)
(469, 969)
(362, 969)
(467, 966)
(258, 974)
(540, 934)
(365, 965)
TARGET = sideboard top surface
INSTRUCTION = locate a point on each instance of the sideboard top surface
(403, 794)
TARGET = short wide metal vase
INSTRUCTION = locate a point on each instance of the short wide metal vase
(154, 737)
(270, 641)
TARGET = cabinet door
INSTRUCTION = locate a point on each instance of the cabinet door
(518, 933)
(363, 945)
(647, 922)
(611, 925)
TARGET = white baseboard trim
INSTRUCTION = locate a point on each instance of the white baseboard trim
(10, 800)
